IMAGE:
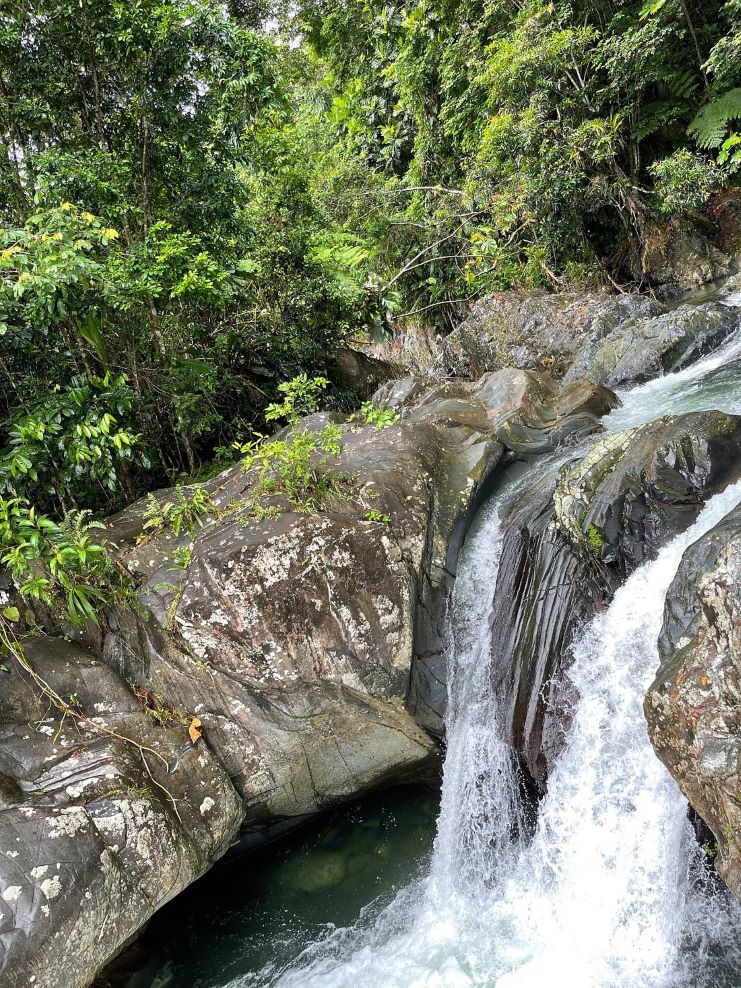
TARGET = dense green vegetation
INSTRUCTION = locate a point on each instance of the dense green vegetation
(201, 200)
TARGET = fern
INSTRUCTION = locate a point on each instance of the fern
(78, 521)
(683, 84)
(654, 117)
(342, 257)
(710, 126)
(347, 257)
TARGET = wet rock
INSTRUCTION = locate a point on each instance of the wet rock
(634, 491)
(310, 647)
(572, 536)
(322, 870)
(542, 332)
(679, 257)
(605, 339)
(640, 349)
(693, 707)
(96, 833)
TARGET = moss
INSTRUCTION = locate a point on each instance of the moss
(595, 540)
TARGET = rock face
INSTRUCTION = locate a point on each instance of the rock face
(644, 348)
(95, 833)
(678, 257)
(608, 340)
(693, 708)
(573, 535)
(535, 331)
(309, 648)
(412, 346)
(361, 373)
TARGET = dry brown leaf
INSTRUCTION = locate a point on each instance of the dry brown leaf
(194, 730)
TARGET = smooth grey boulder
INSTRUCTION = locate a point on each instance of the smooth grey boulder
(572, 536)
(281, 626)
(96, 833)
(610, 340)
(538, 332)
(693, 707)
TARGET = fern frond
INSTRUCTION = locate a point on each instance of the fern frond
(655, 116)
(683, 84)
(709, 128)
(344, 256)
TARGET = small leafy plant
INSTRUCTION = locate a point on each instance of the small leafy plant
(595, 540)
(301, 395)
(299, 467)
(52, 561)
(181, 557)
(379, 516)
(187, 513)
(376, 415)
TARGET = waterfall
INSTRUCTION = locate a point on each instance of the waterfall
(608, 892)
(480, 814)
(608, 889)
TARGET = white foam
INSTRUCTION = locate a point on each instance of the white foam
(605, 894)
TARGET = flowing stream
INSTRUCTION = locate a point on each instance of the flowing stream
(609, 891)
(600, 886)
(712, 382)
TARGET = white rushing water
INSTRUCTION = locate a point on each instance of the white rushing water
(604, 895)
(608, 891)
(711, 382)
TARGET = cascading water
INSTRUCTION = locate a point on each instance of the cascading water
(609, 891)
(430, 924)
(711, 382)
(606, 889)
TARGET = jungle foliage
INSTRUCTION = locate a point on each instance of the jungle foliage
(201, 200)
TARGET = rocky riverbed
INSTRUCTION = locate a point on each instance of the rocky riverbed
(298, 662)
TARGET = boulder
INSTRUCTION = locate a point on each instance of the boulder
(641, 349)
(97, 832)
(693, 707)
(312, 646)
(609, 340)
(573, 532)
(412, 346)
(361, 373)
(678, 257)
(541, 332)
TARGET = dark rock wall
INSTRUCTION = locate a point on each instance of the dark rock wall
(693, 708)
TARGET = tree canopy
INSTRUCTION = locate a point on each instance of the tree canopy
(201, 199)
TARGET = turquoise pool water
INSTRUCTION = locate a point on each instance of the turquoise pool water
(249, 917)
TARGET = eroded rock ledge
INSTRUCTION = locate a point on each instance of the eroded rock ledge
(583, 528)
(95, 834)
(607, 339)
(693, 708)
(308, 646)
